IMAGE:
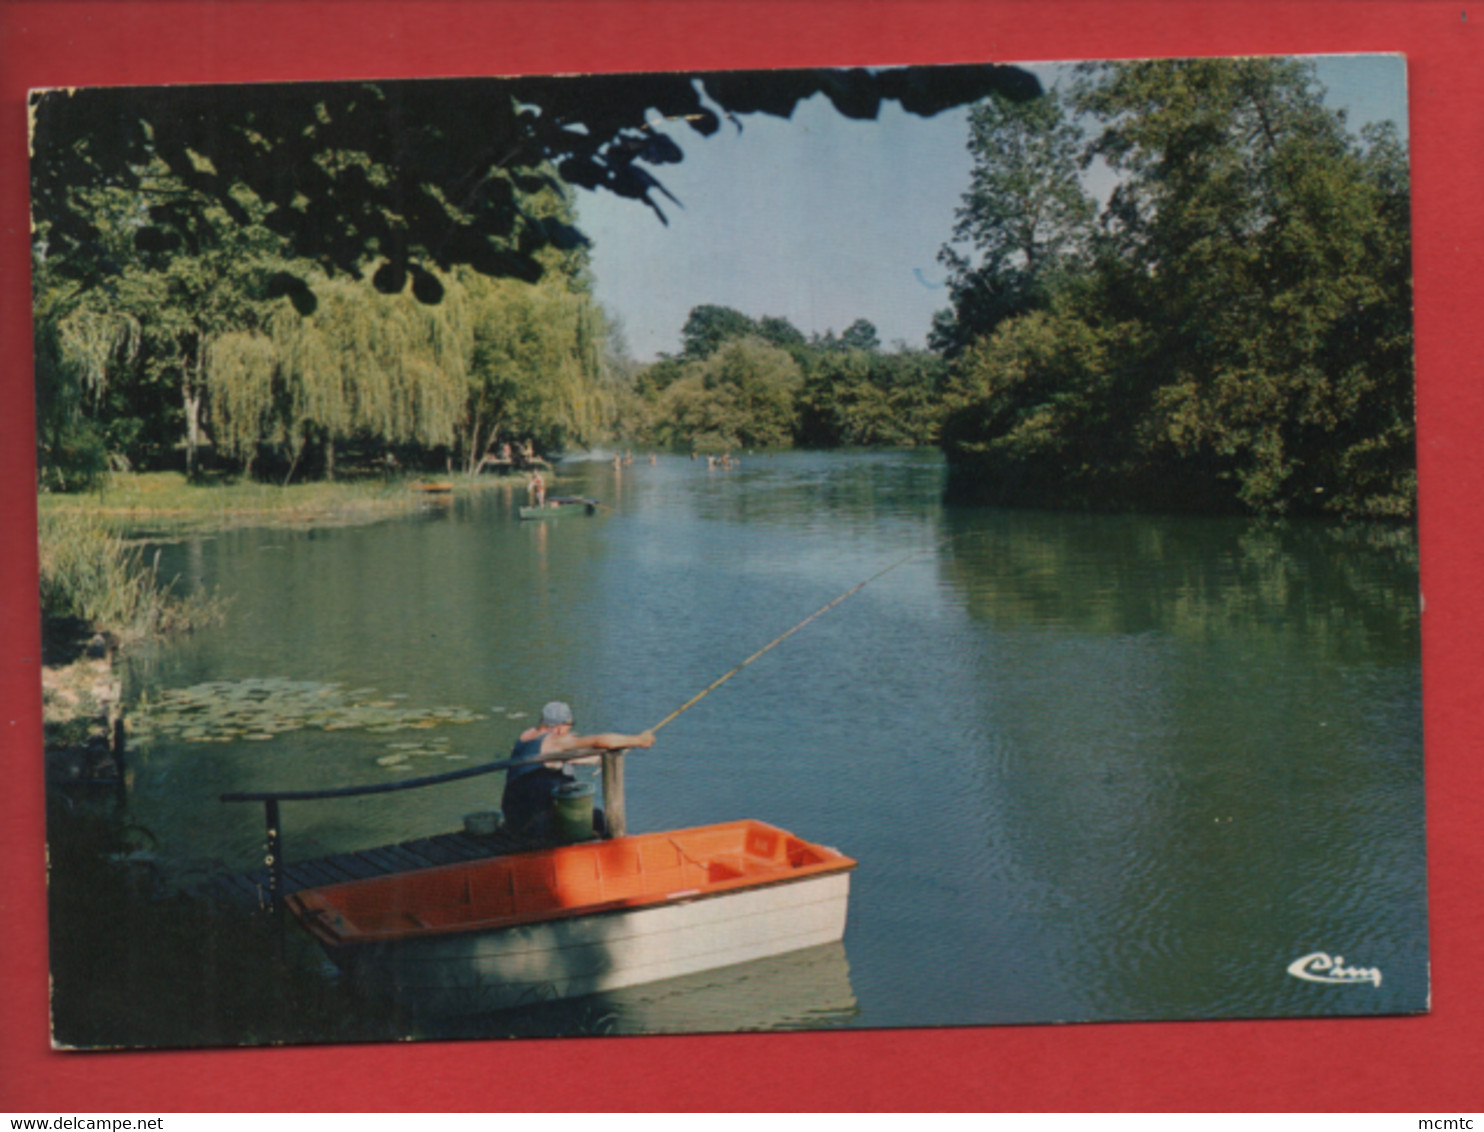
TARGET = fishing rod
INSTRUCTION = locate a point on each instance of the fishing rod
(722, 679)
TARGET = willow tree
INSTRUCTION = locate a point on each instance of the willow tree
(78, 350)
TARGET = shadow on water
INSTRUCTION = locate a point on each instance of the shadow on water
(808, 988)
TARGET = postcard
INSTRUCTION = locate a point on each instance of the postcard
(729, 551)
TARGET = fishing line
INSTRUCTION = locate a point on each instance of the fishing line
(722, 679)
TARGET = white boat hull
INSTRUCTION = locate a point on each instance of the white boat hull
(477, 972)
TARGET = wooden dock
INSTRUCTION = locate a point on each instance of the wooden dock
(267, 886)
(254, 888)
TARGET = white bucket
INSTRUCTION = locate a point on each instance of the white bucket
(482, 824)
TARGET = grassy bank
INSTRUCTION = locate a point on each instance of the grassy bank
(166, 504)
(97, 592)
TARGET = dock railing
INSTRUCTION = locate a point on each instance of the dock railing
(613, 799)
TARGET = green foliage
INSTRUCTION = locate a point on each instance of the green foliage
(860, 335)
(740, 396)
(537, 364)
(856, 397)
(745, 383)
(91, 574)
(708, 326)
(1024, 221)
(417, 176)
(196, 251)
(1239, 338)
(782, 333)
(206, 347)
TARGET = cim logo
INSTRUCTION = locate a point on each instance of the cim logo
(1319, 967)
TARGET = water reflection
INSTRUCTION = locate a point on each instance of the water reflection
(1349, 590)
(808, 988)
(1209, 752)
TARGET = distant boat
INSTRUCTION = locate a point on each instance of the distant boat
(580, 919)
(432, 485)
(559, 505)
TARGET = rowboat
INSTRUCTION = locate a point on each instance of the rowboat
(580, 919)
(560, 505)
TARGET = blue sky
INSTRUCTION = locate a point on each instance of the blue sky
(823, 220)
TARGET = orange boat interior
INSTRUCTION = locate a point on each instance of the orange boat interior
(595, 876)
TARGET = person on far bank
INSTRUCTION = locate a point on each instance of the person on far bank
(530, 788)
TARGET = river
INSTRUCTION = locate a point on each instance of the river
(1092, 767)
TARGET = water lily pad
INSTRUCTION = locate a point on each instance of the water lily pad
(262, 708)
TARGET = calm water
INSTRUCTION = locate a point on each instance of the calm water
(1092, 767)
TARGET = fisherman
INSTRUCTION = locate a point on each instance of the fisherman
(531, 787)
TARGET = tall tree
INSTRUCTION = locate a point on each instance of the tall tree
(860, 335)
(740, 396)
(1266, 260)
(1023, 219)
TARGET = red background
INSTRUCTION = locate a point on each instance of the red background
(1430, 1063)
